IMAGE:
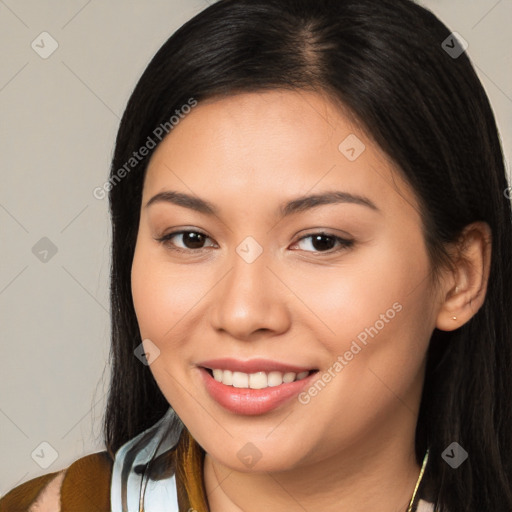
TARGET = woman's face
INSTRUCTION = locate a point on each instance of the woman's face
(268, 282)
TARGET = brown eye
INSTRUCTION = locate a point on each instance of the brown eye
(193, 240)
(325, 242)
(190, 240)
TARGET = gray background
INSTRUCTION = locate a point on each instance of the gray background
(59, 117)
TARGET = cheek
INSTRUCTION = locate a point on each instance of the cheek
(375, 348)
(375, 291)
(163, 295)
(164, 301)
(375, 326)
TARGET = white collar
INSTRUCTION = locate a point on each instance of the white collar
(132, 489)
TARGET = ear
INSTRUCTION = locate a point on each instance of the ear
(465, 290)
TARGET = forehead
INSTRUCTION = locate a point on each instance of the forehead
(271, 142)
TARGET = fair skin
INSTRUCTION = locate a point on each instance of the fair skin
(351, 447)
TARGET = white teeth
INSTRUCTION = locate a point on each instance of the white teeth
(227, 377)
(275, 379)
(289, 377)
(258, 380)
(240, 380)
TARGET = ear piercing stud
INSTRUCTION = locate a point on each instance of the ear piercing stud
(456, 291)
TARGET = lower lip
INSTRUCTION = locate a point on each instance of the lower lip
(252, 401)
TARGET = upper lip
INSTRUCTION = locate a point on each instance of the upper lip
(252, 365)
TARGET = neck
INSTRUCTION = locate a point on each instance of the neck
(381, 477)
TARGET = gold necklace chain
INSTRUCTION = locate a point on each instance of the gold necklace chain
(423, 466)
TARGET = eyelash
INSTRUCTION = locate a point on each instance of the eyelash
(343, 242)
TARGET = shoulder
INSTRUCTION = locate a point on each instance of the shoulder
(83, 486)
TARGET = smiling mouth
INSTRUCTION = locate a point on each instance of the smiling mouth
(257, 380)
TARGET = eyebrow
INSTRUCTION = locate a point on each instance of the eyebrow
(296, 205)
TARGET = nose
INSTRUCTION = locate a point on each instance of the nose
(251, 301)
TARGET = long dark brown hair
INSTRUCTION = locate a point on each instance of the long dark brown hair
(387, 62)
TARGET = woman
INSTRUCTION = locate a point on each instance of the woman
(311, 266)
